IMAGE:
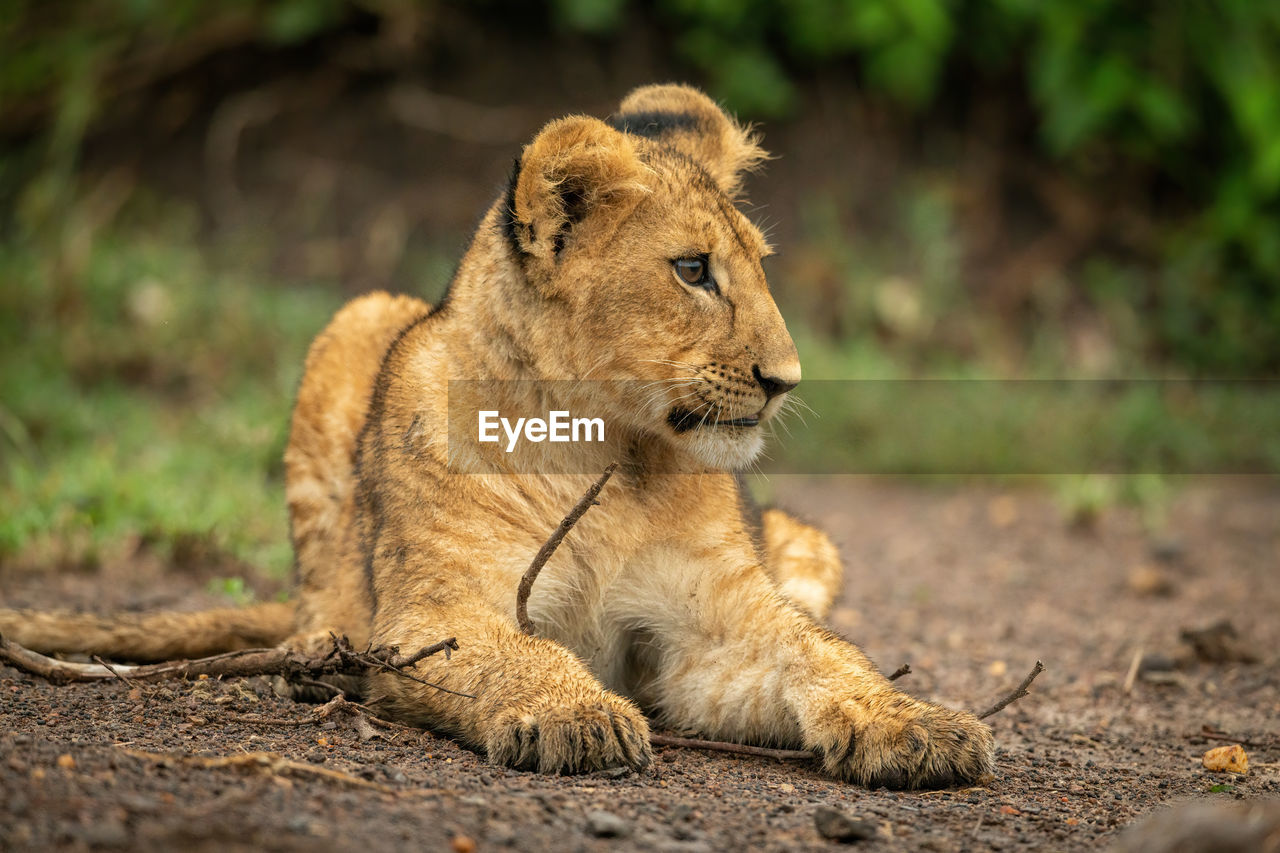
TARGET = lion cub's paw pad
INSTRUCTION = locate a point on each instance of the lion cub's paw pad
(572, 739)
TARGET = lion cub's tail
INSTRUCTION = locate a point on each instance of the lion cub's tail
(146, 637)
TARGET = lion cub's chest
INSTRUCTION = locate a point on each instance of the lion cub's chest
(590, 604)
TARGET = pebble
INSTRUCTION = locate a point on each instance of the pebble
(1150, 580)
(838, 826)
(603, 824)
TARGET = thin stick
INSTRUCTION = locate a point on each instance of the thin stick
(905, 669)
(1017, 693)
(549, 547)
(111, 669)
(448, 646)
(333, 689)
(1209, 734)
(342, 660)
(1134, 666)
(738, 748)
(397, 663)
(337, 703)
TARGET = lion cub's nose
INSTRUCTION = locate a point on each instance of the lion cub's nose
(772, 385)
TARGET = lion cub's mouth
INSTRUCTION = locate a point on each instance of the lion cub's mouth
(684, 420)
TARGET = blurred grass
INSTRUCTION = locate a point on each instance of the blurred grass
(144, 397)
(909, 377)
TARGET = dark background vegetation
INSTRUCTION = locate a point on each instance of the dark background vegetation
(965, 188)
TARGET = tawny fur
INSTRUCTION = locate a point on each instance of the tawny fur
(147, 637)
(660, 598)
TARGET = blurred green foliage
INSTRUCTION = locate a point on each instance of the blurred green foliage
(1185, 93)
(144, 396)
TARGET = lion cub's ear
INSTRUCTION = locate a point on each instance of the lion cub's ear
(575, 168)
(690, 122)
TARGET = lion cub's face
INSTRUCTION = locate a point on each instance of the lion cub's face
(633, 232)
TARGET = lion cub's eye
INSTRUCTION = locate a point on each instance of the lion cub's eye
(695, 272)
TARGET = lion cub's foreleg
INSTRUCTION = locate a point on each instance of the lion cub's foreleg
(536, 705)
(802, 561)
(741, 663)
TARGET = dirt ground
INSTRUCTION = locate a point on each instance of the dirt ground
(969, 585)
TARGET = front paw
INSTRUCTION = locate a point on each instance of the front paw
(895, 741)
(572, 737)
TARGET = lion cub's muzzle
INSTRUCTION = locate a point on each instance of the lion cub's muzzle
(729, 397)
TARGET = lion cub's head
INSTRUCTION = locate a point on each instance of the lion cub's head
(628, 233)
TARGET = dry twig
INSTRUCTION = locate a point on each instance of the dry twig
(1014, 695)
(290, 665)
(1135, 666)
(737, 748)
(549, 547)
(337, 703)
(905, 669)
(1208, 733)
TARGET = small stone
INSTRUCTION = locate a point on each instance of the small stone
(835, 825)
(1227, 759)
(1150, 580)
(603, 824)
(66, 762)
(463, 844)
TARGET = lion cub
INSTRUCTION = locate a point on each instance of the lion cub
(616, 253)
(617, 262)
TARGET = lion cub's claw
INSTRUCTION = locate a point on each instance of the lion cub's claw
(572, 738)
(926, 746)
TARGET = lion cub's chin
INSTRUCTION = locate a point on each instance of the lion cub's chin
(724, 448)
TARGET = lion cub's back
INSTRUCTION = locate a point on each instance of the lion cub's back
(333, 399)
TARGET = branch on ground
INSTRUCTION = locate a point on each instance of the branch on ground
(737, 748)
(290, 665)
(1015, 694)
